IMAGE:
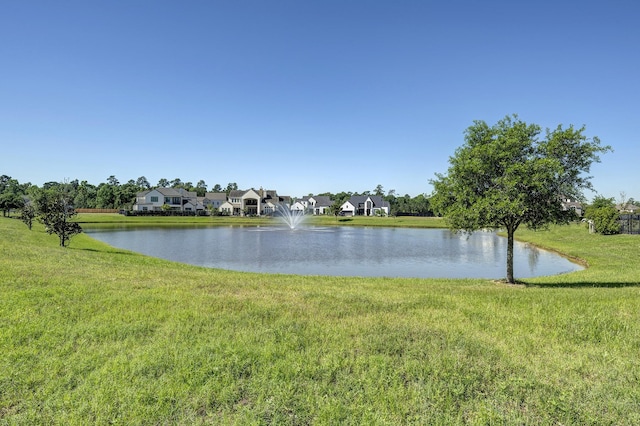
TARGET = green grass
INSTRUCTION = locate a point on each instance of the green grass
(96, 335)
(327, 220)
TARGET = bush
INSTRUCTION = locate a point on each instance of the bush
(605, 220)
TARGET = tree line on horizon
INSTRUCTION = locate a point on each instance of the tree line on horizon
(112, 194)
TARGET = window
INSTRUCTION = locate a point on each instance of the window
(154, 199)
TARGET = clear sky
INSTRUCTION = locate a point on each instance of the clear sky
(306, 96)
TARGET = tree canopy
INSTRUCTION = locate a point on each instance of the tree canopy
(504, 176)
(11, 194)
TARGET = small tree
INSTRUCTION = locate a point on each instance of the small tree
(604, 215)
(10, 201)
(503, 176)
(336, 208)
(606, 221)
(27, 214)
(11, 195)
(54, 210)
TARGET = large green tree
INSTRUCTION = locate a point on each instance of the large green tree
(504, 176)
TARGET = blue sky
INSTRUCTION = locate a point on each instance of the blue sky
(306, 96)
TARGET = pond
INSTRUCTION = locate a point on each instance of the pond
(339, 251)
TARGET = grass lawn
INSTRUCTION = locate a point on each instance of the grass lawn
(113, 218)
(91, 334)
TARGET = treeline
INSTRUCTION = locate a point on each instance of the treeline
(115, 195)
(107, 195)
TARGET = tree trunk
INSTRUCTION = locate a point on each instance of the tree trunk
(510, 232)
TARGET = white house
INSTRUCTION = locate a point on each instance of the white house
(253, 202)
(236, 203)
(320, 204)
(365, 205)
(175, 198)
(314, 204)
(213, 200)
(299, 206)
(243, 203)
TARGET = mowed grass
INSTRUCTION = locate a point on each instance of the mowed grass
(326, 220)
(96, 335)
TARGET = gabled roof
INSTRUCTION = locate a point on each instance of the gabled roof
(221, 196)
(248, 191)
(176, 192)
(271, 194)
(377, 200)
(322, 200)
(627, 207)
(241, 193)
(169, 192)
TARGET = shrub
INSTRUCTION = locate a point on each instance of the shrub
(605, 220)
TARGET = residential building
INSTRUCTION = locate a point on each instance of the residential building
(568, 204)
(320, 204)
(628, 208)
(213, 200)
(177, 199)
(313, 204)
(365, 205)
(253, 202)
(237, 203)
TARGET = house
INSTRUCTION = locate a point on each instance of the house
(628, 208)
(177, 199)
(237, 203)
(320, 204)
(213, 200)
(313, 204)
(365, 205)
(244, 203)
(299, 206)
(568, 204)
(253, 203)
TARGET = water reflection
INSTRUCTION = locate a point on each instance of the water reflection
(343, 251)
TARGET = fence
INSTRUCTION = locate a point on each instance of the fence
(97, 210)
(629, 223)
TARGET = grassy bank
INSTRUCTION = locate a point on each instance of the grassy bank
(95, 335)
(403, 221)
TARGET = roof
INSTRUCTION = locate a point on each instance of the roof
(222, 196)
(270, 193)
(627, 207)
(322, 200)
(176, 192)
(169, 192)
(377, 200)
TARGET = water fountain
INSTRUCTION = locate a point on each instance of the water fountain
(292, 218)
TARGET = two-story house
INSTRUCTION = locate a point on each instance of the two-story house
(314, 204)
(175, 198)
(365, 205)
